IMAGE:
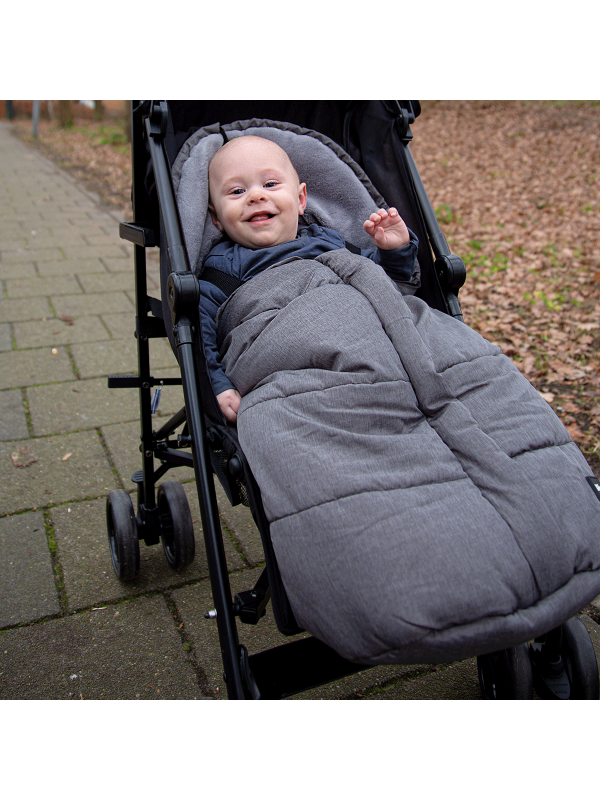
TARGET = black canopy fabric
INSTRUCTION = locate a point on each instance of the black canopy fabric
(326, 116)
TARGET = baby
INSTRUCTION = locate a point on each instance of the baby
(256, 199)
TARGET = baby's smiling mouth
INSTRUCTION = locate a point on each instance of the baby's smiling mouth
(260, 216)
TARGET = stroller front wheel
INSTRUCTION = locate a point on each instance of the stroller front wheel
(506, 674)
(564, 663)
(122, 535)
(176, 526)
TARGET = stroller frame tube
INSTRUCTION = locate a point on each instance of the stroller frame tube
(183, 330)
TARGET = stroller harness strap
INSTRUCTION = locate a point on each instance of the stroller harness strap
(229, 283)
(222, 280)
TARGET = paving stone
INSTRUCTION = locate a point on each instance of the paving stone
(79, 405)
(36, 286)
(22, 309)
(57, 214)
(27, 367)
(9, 243)
(446, 682)
(5, 337)
(31, 219)
(83, 552)
(153, 282)
(86, 304)
(103, 238)
(8, 271)
(71, 236)
(94, 251)
(124, 264)
(11, 229)
(63, 232)
(108, 282)
(27, 589)
(80, 267)
(73, 239)
(121, 326)
(13, 424)
(54, 332)
(24, 255)
(125, 652)
(49, 480)
(118, 357)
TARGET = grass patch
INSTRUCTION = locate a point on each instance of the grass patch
(445, 215)
(486, 264)
(59, 579)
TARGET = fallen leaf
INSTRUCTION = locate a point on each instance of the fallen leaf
(23, 457)
(67, 457)
(66, 319)
(574, 432)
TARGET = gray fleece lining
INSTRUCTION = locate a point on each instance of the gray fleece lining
(340, 195)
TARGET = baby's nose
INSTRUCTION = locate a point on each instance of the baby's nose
(256, 194)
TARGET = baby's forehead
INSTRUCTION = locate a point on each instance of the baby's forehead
(237, 149)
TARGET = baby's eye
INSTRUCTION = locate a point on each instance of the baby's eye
(236, 191)
(270, 184)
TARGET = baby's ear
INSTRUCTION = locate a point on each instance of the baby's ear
(213, 216)
(302, 199)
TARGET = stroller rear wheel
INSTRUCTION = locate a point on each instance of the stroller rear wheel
(176, 526)
(506, 674)
(564, 663)
(122, 535)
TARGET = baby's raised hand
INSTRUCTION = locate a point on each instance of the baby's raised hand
(387, 229)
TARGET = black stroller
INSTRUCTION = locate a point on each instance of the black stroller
(376, 137)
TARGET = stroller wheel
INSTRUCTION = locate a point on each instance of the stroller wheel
(564, 663)
(506, 674)
(176, 527)
(122, 535)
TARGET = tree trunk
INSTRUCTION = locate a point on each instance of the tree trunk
(98, 110)
(65, 114)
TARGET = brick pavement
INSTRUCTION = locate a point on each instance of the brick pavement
(68, 627)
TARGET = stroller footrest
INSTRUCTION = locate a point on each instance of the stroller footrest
(297, 666)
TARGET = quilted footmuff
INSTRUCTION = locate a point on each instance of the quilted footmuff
(425, 503)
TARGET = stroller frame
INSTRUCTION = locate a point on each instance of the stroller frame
(207, 442)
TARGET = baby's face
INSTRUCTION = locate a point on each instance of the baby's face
(255, 194)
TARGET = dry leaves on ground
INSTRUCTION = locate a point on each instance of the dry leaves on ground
(515, 188)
